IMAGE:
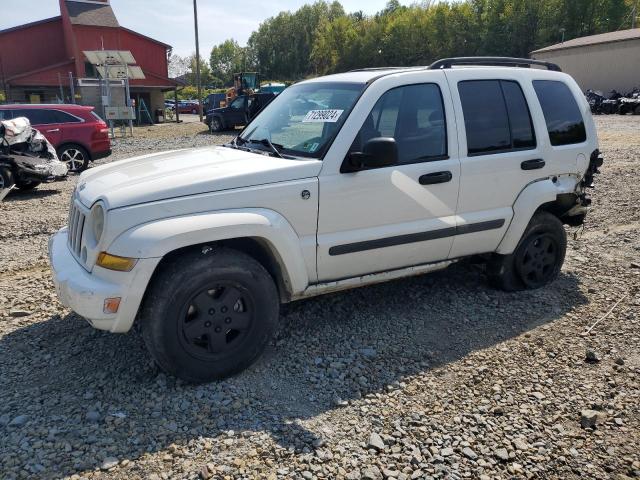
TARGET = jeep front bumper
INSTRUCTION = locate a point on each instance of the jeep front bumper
(85, 293)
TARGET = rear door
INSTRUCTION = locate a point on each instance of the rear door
(44, 120)
(500, 153)
(74, 129)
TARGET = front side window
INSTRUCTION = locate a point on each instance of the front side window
(496, 117)
(304, 119)
(238, 103)
(561, 112)
(37, 117)
(414, 116)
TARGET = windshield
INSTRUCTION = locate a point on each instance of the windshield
(304, 119)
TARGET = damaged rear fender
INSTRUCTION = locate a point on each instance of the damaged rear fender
(529, 201)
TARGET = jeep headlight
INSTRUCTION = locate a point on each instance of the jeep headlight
(97, 222)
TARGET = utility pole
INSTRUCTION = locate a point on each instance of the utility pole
(72, 88)
(198, 79)
(634, 14)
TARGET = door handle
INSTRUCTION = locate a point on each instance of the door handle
(53, 131)
(533, 164)
(433, 178)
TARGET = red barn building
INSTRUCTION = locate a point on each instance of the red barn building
(40, 61)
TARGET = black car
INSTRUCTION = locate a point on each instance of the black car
(239, 112)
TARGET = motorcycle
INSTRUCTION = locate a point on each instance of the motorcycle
(630, 103)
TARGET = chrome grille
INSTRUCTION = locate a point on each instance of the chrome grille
(76, 226)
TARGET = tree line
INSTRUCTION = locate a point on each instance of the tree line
(322, 38)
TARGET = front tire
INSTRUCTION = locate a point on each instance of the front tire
(216, 124)
(209, 314)
(536, 261)
(6, 178)
(75, 156)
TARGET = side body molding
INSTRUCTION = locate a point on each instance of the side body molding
(530, 199)
(158, 238)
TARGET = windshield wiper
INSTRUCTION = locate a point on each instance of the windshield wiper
(267, 143)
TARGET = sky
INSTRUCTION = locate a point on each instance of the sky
(171, 21)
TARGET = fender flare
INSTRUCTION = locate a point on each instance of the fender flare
(528, 202)
(158, 238)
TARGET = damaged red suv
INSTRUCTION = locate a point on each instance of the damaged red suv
(78, 134)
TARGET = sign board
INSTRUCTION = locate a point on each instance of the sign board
(110, 57)
(119, 113)
(120, 72)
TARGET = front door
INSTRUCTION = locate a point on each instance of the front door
(235, 114)
(393, 217)
(45, 121)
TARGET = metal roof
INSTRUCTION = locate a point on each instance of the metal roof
(91, 14)
(618, 36)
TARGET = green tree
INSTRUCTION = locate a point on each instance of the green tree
(321, 38)
(227, 59)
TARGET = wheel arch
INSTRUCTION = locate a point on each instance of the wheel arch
(553, 195)
(257, 248)
(262, 234)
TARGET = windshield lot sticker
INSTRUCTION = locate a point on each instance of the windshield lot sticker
(322, 116)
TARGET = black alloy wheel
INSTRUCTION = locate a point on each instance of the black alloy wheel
(537, 259)
(216, 124)
(216, 321)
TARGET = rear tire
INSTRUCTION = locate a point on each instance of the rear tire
(536, 261)
(75, 156)
(6, 178)
(209, 315)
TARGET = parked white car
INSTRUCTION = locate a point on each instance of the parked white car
(385, 174)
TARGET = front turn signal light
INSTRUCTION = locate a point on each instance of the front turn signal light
(111, 305)
(114, 262)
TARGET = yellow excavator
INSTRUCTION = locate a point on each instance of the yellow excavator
(244, 83)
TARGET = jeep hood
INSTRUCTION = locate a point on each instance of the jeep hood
(186, 172)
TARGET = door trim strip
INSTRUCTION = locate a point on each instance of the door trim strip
(415, 237)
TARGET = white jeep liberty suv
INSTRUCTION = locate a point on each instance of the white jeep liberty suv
(341, 181)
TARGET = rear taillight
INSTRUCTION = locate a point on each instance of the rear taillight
(100, 130)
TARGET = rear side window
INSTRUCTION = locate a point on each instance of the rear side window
(64, 117)
(496, 117)
(561, 112)
(96, 116)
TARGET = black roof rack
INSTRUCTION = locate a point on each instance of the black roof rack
(375, 69)
(493, 62)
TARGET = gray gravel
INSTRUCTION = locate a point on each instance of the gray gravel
(431, 377)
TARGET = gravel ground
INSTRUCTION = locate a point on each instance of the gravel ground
(431, 377)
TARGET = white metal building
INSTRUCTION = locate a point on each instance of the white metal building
(600, 62)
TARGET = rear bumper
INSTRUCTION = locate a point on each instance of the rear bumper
(85, 292)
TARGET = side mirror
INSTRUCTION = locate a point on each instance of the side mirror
(377, 153)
